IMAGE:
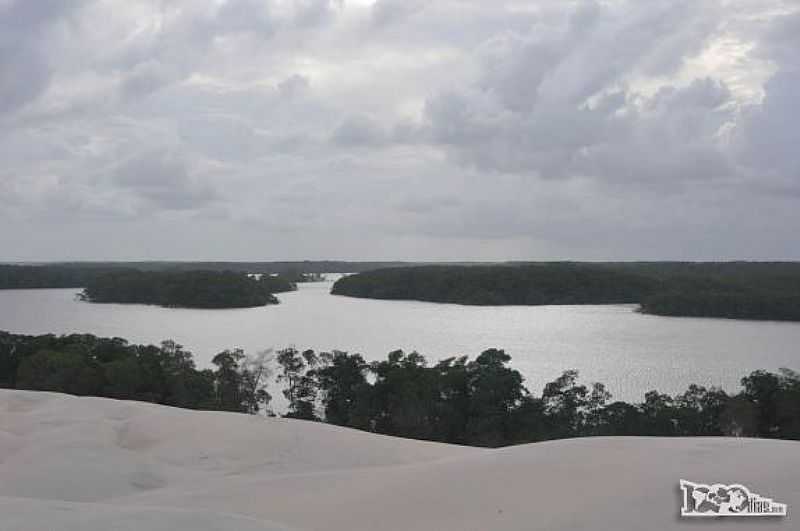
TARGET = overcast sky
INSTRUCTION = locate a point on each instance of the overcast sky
(399, 129)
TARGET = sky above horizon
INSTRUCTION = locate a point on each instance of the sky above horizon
(399, 129)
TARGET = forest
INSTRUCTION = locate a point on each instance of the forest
(500, 284)
(186, 289)
(479, 402)
(735, 290)
(47, 276)
(78, 274)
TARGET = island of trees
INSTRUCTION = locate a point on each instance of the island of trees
(481, 401)
(737, 290)
(186, 289)
(499, 285)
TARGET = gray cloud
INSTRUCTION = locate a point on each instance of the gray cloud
(164, 178)
(561, 103)
(385, 12)
(359, 131)
(455, 129)
(768, 135)
(24, 68)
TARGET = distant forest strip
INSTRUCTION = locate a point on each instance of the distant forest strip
(186, 289)
(48, 276)
(479, 402)
(78, 274)
(738, 290)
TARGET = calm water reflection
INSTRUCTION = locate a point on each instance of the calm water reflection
(630, 352)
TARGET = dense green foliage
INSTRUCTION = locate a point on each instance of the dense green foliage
(500, 285)
(734, 290)
(189, 289)
(484, 402)
(50, 276)
(83, 364)
(737, 290)
(79, 274)
(743, 290)
(725, 304)
(277, 283)
(481, 402)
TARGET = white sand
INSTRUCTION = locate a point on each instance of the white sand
(93, 464)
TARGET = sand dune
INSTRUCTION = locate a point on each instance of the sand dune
(71, 463)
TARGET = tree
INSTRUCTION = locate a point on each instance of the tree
(699, 410)
(306, 392)
(762, 390)
(345, 391)
(452, 410)
(564, 401)
(297, 371)
(292, 368)
(240, 382)
(64, 372)
(256, 372)
(495, 391)
(403, 396)
(659, 416)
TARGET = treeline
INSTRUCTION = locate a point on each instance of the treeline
(557, 283)
(736, 290)
(484, 402)
(85, 365)
(481, 402)
(725, 304)
(79, 275)
(733, 290)
(274, 268)
(187, 289)
(40, 276)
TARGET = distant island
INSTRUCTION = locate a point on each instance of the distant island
(186, 289)
(499, 285)
(734, 290)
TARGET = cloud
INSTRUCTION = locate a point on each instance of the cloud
(164, 179)
(549, 105)
(359, 131)
(453, 129)
(767, 136)
(386, 12)
(24, 30)
(294, 85)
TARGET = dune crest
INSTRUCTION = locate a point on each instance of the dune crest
(96, 464)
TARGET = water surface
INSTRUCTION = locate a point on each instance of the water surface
(630, 352)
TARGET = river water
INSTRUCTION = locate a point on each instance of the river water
(631, 353)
